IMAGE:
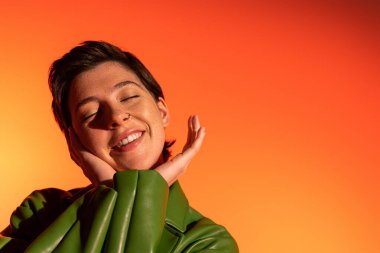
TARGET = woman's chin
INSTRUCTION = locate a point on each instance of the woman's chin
(135, 166)
(139, 164)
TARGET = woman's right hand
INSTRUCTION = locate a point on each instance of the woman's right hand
(94, 168)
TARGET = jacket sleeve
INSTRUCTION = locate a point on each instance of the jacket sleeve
(129, 218)
(141, 205)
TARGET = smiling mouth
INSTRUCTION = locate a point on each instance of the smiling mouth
(128, 139)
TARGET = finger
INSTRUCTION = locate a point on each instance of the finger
(193, 149)
(197, 143)
(189, 133)
(77, 151)
(195, 130)
(75, 141)
(197, 124)
(73, 154)
(189, 129)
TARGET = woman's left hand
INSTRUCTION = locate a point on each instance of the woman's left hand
(174, 168)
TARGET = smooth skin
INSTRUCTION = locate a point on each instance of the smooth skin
(108, 102)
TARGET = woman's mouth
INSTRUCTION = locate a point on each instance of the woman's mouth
(129, 139)
(129, 142)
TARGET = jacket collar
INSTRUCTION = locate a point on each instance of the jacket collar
(178, 207)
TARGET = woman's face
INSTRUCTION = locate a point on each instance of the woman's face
(100, 102)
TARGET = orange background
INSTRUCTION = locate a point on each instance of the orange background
(289, 94)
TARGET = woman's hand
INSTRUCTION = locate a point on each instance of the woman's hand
(174, 168)
(94, 168)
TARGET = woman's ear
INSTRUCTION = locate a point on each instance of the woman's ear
(164, 111)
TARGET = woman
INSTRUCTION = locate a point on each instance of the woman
(114, 115)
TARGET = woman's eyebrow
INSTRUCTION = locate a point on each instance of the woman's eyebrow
(122, 84)
(85, 101)
(113, 89)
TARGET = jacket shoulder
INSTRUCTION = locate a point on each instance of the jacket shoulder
(36, 212)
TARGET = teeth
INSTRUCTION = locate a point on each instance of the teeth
(129, 139)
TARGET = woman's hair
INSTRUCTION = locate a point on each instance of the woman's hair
(84, 57)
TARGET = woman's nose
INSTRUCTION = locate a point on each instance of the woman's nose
(118, 117)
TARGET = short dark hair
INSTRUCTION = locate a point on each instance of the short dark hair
(84, 57)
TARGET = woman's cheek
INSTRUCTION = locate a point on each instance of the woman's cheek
(91, 141)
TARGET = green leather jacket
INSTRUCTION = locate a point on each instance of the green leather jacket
(140, 214)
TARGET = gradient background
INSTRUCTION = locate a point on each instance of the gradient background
(289, 94)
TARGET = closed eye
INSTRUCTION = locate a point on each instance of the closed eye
(86, 118)
(128, 98)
